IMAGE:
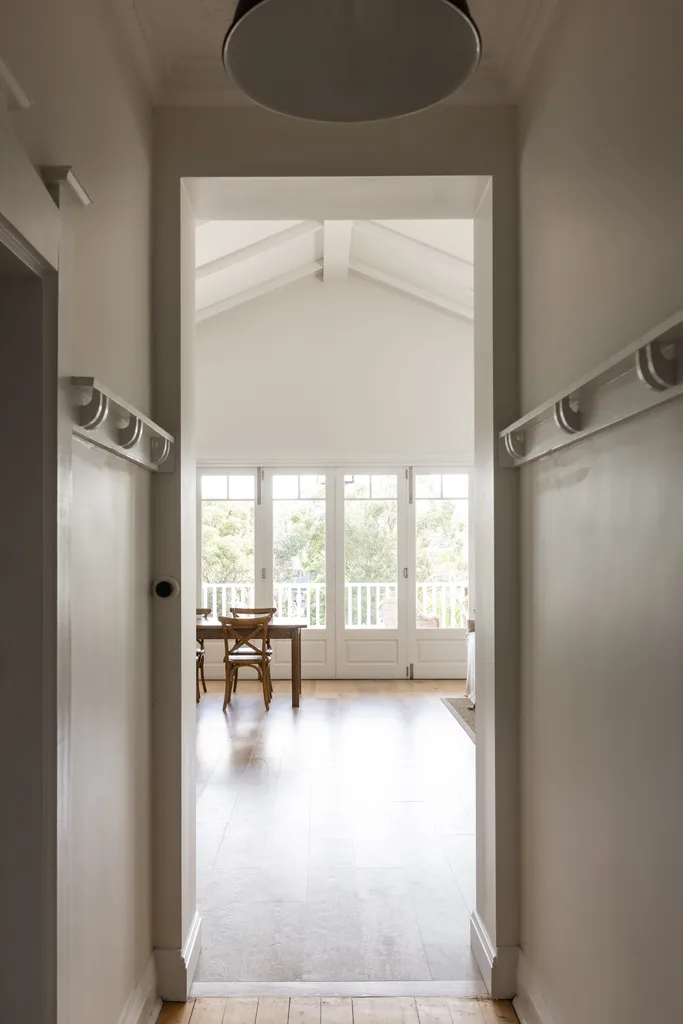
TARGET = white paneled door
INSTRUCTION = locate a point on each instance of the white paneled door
(374, 560)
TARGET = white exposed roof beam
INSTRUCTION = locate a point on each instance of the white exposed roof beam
(250, 252)
(258, 290)
(421, 294)
(393, 237)
(336, 249)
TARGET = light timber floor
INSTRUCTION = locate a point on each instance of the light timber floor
(338, 1011)
(335, 843)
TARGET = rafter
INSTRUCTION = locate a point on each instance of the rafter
(265, 245)
(258, 290)
(336, 249)
(392, 237)
(421, 294)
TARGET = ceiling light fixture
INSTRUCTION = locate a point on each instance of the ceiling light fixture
(350, 60)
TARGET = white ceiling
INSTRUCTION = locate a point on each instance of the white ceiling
(429, 261)
(180, 42)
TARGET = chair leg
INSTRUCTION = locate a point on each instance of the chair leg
(201, 671)
(263, 675)
(228, 685)
(234, 682)
(199, 693)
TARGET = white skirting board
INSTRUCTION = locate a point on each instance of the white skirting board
(498, 966)
(530, 1005)
(176, 967)
(144, 1005)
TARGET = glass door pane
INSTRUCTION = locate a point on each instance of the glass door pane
(228, 540)
(371, 532)
(441, 550)
(300, 547)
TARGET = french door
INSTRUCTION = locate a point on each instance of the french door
(439, 557)
(297, 564)
(371, 574)
(374, 560)
(265, 540)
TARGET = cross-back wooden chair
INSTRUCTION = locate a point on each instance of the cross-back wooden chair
(249, 613)
(204, 613)
(246, 646)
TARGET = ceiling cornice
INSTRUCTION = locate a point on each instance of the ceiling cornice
(143, 47)
(537, 17)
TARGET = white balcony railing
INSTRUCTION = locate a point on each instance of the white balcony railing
(366, 605)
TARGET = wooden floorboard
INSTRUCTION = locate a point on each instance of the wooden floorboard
(338, 1011)
(335, 844)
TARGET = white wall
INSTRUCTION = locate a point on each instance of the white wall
(91, 111)
(333, 372)
(602, 667)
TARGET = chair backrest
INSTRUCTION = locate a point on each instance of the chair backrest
(204, 612)
(249, 635)
(249, 613)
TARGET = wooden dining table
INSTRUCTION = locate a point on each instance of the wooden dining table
(278, 629)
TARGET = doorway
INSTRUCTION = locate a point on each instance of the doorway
(494, 919)
(30, 651)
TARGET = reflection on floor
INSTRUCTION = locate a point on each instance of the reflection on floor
(335, 843)
(338, 1011)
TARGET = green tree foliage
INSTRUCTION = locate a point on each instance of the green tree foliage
(370, 541)
(299, 541)
(441, 536)
(228, 541)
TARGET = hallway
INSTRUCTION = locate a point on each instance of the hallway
(335, 844)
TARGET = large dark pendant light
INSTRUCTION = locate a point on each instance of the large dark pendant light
(350, 60)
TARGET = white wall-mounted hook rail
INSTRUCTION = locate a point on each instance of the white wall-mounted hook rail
(131, 432)
(568, 415)
(104, 419)
(161, 449)
(11, 92)
(612, 393)
(60, 181)
(94, 410)
(515, 444)
(655, 367)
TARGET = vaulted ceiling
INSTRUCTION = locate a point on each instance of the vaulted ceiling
(428, 261)
(182, 40)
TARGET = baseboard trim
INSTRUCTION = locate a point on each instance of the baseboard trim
(176, 967)
(144, 1005)
(498, 965)
(530, 1005)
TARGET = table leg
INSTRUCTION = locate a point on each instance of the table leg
(296, 667)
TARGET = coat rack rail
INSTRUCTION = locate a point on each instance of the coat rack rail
(105, 420)
(641, 377)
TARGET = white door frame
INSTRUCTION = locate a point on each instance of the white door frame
(430, 151)
(35, 425)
